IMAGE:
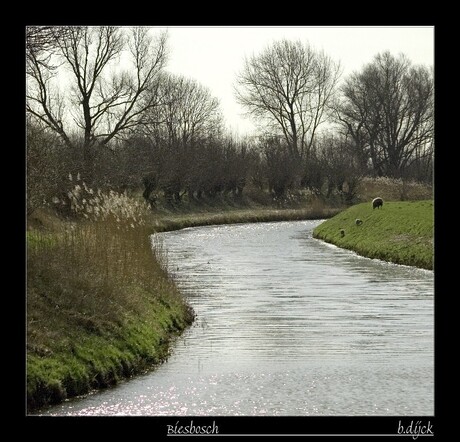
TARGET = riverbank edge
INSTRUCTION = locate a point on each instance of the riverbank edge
(169, 223)
(103, 360)
(331, 234)
(139, 346)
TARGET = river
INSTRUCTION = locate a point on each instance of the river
(286, 325)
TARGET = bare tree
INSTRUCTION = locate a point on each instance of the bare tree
(289, 85)
(342, 166)
(388, 109)
(101, 105)
(188, 111)
(182, 128)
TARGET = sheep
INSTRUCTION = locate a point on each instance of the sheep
(377, 202)
(358, 221)
(342, 233)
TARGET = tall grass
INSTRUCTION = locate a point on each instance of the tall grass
(95, 280)
(91, 265)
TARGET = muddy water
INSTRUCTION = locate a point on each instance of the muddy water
(286, 325)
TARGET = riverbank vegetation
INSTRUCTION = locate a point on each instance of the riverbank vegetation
(128, 153)
(399, 232)
(100, 305)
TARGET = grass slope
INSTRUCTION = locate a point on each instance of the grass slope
(91, 355)
(400, 232)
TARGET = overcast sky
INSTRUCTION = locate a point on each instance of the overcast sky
(214, 55)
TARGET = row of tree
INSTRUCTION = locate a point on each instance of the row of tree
(125, 122)
(383, 115)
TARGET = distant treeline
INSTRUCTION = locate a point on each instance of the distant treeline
(144, 128)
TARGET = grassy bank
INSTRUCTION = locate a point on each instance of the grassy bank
(400, 232)
(170, 222)
(100, 305)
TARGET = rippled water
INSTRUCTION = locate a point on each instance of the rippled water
(286, 325)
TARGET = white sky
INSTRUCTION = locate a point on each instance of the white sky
(214, 55)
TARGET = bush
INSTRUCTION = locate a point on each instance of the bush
(44, 167)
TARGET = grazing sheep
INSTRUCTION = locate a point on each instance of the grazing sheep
(342, 233)
(377, 202)
(358, 221)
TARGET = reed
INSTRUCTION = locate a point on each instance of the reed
(100, 304)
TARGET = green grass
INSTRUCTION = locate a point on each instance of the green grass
(400, 232)
(89, 358)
